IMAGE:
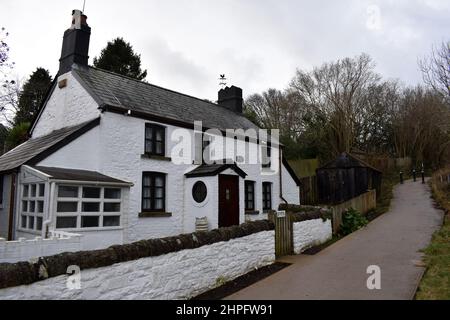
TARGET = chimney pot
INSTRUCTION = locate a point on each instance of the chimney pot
(75, 48)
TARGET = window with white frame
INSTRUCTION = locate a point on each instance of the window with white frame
(83, 207)
(32, 206)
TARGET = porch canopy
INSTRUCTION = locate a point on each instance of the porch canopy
(210, 170)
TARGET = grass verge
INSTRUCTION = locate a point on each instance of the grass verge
(435, 284)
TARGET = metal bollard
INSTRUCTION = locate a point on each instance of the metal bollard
(401, 177)
(423, 176)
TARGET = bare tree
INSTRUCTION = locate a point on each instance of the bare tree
(9, 88)
(335, 94)
(436, 69)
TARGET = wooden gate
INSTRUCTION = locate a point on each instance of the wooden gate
(284, 234)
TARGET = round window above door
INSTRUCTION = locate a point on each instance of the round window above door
(199, 192)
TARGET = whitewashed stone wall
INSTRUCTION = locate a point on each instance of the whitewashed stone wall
(67, 106)
(24, 250)
(311, 233)
(178, 275)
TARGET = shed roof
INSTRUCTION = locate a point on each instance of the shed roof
(347, 161)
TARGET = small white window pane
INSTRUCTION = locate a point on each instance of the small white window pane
(90, 222)
(159, 192)
(23, 222)
(148, 146)
(31, 222)
(90, 207)
(40, 206)
(147, 181)
(33, 190)
(112, 193)
(159, 181)
(111, 207)
(111, 221)
(67, 207)
(26, 189)
(32, 206)
(158, 147)
(39, 223)
(25, 206)
(158, 204)
(41, 190)
(159, 134)
(146, 204)
(66, 222)
(147, 193)
(91, 193)
(148, 133)
(67, 192)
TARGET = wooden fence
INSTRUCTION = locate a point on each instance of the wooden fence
(363, 203)
(308, 191)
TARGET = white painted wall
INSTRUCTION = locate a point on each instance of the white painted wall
(115, 147)
(82, 153)
(178, 275)
(208, 208)
(311, 233)
(291, 192)
(67, 106)
(24, 250)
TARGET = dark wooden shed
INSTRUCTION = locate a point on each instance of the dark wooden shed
(346, 177)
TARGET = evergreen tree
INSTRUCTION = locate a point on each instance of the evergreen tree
(31, 96)
(119, 57)
(17, 135)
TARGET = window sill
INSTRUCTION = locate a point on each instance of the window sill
(155, 214)
(252, 212)
(155, 157)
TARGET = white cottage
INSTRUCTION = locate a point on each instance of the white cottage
(100, 160)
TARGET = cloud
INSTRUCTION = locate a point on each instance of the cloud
(258, 44)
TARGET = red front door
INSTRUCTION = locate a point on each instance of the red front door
(228, 201)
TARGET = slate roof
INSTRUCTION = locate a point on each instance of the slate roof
(78, 175)
(347, 161)
(34, 150)
(113, 90)
(207, 170)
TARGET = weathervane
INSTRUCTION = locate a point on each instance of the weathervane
(223, 80)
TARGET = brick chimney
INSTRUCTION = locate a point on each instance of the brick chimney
(231, 98)
(75, 46)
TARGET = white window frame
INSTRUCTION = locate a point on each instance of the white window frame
(35, 214)
(79, 200)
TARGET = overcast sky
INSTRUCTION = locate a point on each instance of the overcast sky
(186, 44)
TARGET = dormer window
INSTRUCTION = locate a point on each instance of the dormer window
(155, 139)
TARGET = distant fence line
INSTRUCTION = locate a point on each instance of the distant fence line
(363, 203)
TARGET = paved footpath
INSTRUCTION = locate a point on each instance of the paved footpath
(392, 242)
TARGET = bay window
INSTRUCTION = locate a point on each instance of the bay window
(32, 206)
(83, 207)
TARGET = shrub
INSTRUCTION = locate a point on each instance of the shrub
(352, 220)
